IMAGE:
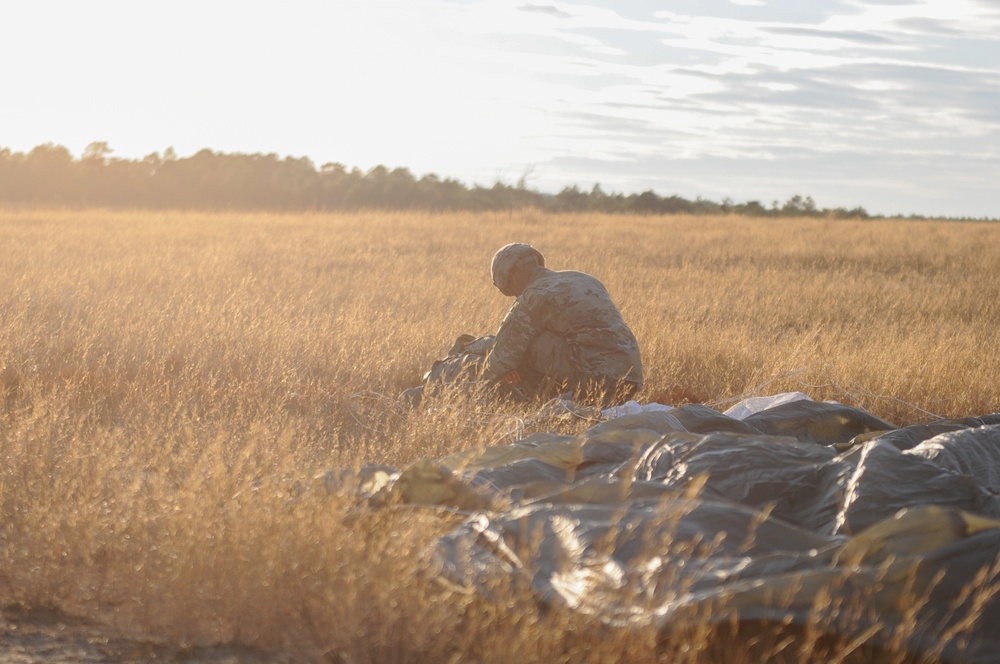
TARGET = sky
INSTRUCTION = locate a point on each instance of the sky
(891, 105)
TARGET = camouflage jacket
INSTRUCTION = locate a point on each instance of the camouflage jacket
(565, 326)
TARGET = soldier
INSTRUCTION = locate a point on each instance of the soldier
(562, 334)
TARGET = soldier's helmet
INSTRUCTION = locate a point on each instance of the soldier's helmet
(510, 258)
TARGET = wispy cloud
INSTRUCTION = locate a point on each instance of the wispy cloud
(834, 35)
(851, 84)
(551, 10)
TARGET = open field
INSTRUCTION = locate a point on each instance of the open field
(170, 382)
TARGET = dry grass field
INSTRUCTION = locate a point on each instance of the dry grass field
(171, 382)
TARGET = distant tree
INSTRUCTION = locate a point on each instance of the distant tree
(401, 189)
(11, 168)
(751, 208)
(799, 206)
(49, 174)
(526, 176)
(571, 199)
(844, 213)
(98, 152)
(647, 202)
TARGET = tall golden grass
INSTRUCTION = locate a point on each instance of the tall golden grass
(172, 383)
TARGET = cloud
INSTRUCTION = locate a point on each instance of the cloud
(929, 26)
(838, 35)
(551, 10)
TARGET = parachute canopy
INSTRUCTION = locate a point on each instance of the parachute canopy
(784, 510)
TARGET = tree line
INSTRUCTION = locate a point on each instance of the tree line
(50, 175)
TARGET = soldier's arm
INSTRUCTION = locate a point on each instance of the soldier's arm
(515, 334)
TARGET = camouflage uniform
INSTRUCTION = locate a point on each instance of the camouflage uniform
(563, 333)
